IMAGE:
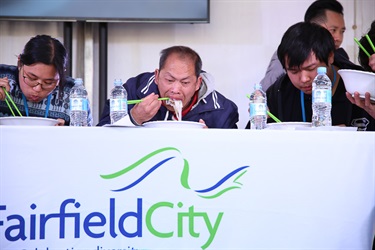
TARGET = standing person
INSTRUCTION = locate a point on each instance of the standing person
(326, 13)
(38, 85)
(179, 77)
(303, 48)
(368, 63)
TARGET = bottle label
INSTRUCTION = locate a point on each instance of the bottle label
(118, 105)
(78, 104)
(258, 109)
(321, 96)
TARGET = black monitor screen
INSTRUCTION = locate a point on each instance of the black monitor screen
(190, 11)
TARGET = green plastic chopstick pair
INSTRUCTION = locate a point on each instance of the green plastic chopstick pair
(9, 99)
(363, 48)
(140, 100)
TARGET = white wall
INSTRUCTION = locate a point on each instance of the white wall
(235, 46)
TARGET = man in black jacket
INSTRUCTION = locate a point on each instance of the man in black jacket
(303, 48)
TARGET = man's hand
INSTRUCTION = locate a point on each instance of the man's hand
(145, 110)
(365, 104)
(202, 121)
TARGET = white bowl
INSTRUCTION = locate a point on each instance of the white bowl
(173, 124)
(358, 81)
(27, 121)
(288, 125)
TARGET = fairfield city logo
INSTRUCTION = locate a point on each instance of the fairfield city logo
(69, 222)
(227, 183)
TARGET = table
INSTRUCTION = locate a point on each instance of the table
(137, 188)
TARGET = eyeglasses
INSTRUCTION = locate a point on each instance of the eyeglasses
(33, 82)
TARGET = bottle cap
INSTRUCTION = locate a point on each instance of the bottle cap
(118, 82)
(322, 70)
(78, 81)
(257, 86)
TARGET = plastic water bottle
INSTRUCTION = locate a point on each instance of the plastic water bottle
(258, 108)
(118, 102)
(321, 99)
(78, 104)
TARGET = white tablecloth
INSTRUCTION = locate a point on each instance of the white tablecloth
(136, 188)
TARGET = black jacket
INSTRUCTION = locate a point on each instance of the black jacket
(284, 101)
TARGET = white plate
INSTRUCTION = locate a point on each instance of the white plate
(288, 125)
(173, 124)
(358, 81)
(27, 121)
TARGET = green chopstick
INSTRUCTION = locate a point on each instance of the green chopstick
(360, 45)
(9, 106)
(140, 100)
(268, 113)
(10, 99)
(273, 117)
(369, 41)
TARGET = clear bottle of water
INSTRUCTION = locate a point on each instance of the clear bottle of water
(118, 102)
(321, 99)
(258, 108)
(78, 104)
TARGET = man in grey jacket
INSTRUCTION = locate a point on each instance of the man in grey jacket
(326, 13)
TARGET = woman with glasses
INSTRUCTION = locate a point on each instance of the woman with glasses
(38, 85)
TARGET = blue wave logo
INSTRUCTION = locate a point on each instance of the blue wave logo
(225, 184)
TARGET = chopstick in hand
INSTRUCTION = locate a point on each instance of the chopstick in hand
(371, 44)
(363, 48)
(7, 97)
(140, 100)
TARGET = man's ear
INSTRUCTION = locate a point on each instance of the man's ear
(199, 83)
(19, 64)
(156, 76)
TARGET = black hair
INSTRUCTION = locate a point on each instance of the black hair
(300, 40)
(362, 57)
(183, 52)
(317, 10)
(47, 50)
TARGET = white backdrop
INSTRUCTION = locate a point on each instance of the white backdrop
(235, 46)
